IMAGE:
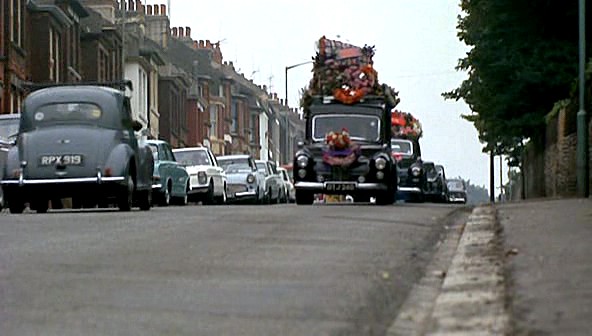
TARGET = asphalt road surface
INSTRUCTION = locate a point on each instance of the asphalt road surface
(214, 270)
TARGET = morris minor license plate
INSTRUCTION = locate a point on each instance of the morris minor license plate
(340, 186)
(65, 160)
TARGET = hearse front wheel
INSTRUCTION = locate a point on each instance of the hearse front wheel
(304, 197)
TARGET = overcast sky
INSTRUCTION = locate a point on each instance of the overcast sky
(416, 52)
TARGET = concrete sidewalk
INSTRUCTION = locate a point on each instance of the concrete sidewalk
(548, 259)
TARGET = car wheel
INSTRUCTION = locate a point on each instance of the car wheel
(183, 200)
(304, 198)
(40, 205)
(165, 198)
(126, 196)
(222, 199)
(145, 199)
(209, 197)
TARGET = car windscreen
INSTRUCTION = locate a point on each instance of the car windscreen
(235, 165)
(154, 149)
(455, 185)
(404, 147)
(193, 158)
(8, 128)
(261, 167)
(359, 127)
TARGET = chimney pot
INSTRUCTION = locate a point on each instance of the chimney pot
(181, 32)
(163, 10)
(143, 9)
(281, 100)
(149, 10)
(208, 44)
(188, 31)
(274, 95)
(265, 88)
(175, 32)
(195, 46)
(156, 10)
(130, 5)
(201, 44)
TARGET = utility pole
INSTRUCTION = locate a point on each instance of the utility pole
(501, 180)
(582, 125)
(491, 176)
(123, 19)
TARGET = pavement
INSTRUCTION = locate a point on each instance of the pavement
(520, 268)
(548, 262)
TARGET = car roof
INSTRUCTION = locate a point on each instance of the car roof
(156, 142)
(235, 156)
(188, 149)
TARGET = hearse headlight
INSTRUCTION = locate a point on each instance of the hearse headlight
(302, 161)
(415, 171)
(380, 163)
(251, 178)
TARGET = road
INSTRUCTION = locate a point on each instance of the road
(214, 270)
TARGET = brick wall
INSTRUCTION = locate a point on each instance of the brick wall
(557, 160)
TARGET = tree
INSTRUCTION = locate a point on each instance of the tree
(523, 59)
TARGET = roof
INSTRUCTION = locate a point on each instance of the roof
(197, 62)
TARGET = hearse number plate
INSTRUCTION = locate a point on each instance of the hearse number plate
(340, 186)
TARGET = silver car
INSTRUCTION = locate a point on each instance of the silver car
(274, 185)
(288, 185)
(244, 182)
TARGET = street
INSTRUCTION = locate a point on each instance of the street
(214, 270)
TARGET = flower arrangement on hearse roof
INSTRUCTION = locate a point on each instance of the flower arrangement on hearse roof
(405, 126)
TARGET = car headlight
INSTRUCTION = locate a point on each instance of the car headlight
(251, 178)
(202, 177)
(415, 171)
(302, 161)
(380, 163)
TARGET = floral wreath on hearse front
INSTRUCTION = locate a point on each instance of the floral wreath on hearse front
(340, 151)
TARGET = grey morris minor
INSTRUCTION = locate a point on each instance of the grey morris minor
(77, 141)
(245, 184)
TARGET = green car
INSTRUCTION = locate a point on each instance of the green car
(170, 179)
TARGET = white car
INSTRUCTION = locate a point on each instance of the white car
(290, 190)
(207, 178)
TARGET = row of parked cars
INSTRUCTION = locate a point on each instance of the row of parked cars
(421, 180)
(80, 142)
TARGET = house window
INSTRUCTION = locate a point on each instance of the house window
(213, 119)
(54, 55)
(252, 128)
(103, 65)
(221, 90)
(200, 90)
(16, 22)
(234, 116)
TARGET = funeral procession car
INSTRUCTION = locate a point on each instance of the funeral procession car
(346, 150)
(207, 178)
(412, 179)
(170, 179)
(78, 141)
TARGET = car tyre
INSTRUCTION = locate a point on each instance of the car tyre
(183, 200)
(145, 199)
(304, 197)
(222, 199)
(165, 198)
(40, 205)
(209, 196)
(385, 198)
(126, 196)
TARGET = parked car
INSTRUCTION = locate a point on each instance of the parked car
(288, 184)
(457, 191)
(77, 141)
(9, 125)
(207, 179)
(244, 181)
(274, 185)
(170, 179)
